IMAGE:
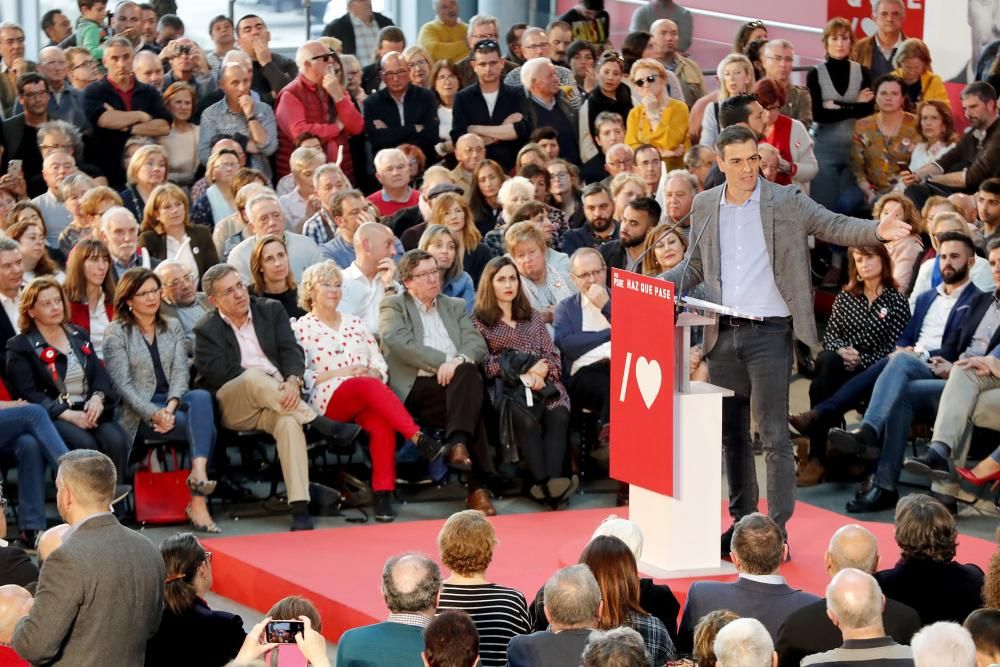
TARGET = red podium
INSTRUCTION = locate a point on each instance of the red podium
(666, 432)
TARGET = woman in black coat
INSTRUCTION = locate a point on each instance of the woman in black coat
(191, 633)
(52, 363)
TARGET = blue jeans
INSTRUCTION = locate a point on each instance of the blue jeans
(918, 397)
(857, 388)
(194, 422)
(29, 430)
(901, 369)
(754, 360)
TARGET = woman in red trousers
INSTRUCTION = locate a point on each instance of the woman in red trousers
(346, 375)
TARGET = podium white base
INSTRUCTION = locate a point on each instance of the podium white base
(681, 533)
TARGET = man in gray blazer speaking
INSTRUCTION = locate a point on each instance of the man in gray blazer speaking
(749, 248)
(100, 594)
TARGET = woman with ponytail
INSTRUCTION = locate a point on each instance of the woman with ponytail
(187, 620)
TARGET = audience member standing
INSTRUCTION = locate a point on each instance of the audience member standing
(81, 615)
(271, 71)
(400, 112)
(876, 52)
(779, 60)
(643, 17)
(444, 37)
(358, 30)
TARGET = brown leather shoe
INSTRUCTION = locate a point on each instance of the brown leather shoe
(458, 458)
(811, 473)
(803, 422)
(480, 500)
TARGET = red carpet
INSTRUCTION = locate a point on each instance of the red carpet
(339, 569)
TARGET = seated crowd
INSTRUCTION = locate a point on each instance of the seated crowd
(378, 246)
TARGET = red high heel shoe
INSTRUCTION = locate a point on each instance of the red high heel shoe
(966, 474)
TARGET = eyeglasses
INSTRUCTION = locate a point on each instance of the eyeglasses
(37, 93)
(591, 275)
(486, 44)
(148, 292)
(329, 55)
(753, 25)
(621, 164)
(186, 278)
(235, 289)
(609, 56)
(782, 59)
(535, 47)
(643, 81)
(426, 275)
(184, 50)
(84, 63)
(55, 147)
(395, 73)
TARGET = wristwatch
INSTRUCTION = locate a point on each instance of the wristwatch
(296, 379)
(98, 394)
(391, 289)
(464, 359)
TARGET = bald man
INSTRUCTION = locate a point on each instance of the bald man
(372, 274)
(15, 602)
(148, 69)
(51, 540)
(809, 630)
(470, 150)
(411, 585)
(665, 37)
(854, 604)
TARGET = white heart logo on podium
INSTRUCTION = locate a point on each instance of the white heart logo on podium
(649, 377)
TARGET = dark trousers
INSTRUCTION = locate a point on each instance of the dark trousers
(831, 374)
(919, 193)
(543, 442)
(457, 409)
(590, 389)
(108, 437)
(754, 360)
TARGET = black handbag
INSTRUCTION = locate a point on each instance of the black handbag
(510, 397)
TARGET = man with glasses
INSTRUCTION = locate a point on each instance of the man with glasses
(665, 37)
(239, 113)
(481, 28)
(21, 131)
(181, 298)
(619, 159)
(535, 44)
(583, 334)
(12, 64)
(492, 110)
(246, 354)
(401, 113)
(118, 107)
(358, 30)
(600, 226)
(754, 258)
(82, 68)
(65, 102)
(271, 71)
(433, 350)
(309, 102)
(779, 58)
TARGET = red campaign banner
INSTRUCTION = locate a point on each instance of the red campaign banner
(860, 14)
(642, 381)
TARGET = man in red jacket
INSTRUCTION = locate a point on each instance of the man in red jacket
(317, 102)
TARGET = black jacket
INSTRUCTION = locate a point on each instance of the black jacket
(809, 630)
(28, 377)
(583, 237)
(218, 636)
(419, 108)
(937, 591)
(217, 354)
(470, 109)
(343, 29)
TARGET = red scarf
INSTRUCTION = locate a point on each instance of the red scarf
(780, 137)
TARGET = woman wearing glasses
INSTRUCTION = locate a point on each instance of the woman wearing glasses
(658, 120)
(186, 618)
(797, 161)
(147, 360)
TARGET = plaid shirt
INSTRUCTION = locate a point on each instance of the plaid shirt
(320, 227)
(365, 39)
(654, 635)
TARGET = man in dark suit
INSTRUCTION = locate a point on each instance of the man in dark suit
(640, 217)
(359, 16)
(759, 592)
(11, 283)
(750, 251)
(433, 351)
(245, 352)
(100, 596)
(388, 126)
(572, 606)
(505, 123)
(809, 630)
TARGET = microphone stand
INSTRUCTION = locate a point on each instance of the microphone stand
(307, 4)
(687, 263)
(631, 268)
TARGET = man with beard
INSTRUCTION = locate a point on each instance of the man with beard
(975, 158)
(640, 216)
(181, 298)
(598, 207)
(914, 378)
(120, 232)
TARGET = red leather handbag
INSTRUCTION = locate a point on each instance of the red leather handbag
(161, 497)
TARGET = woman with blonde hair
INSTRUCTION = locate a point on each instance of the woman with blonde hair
(451, 211)
(444, 246)
(913, 65)
(466, 544)
(626, 187)
(419, 62)
(346, 378)
(736, 77)
(704, 635)
(667, 251)
(271, 274)
(72, 190)
(657, 120)
(218, 202)
(543, 284)
(167, 232)
(531, 153)
(147, 168)
(181, 99)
